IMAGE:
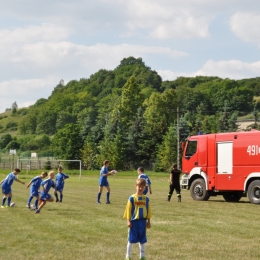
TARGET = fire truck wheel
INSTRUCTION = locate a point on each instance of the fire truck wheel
(198, 190)
(232, 196)
(254, 192)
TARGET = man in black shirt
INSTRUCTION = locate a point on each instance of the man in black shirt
(175, 183)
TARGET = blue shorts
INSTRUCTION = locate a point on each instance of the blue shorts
(103, 182)
(137, 233)
(59, 188)
(6, 190)
(45, 196)
(34, 192)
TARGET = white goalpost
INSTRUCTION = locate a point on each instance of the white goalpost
(39, 165)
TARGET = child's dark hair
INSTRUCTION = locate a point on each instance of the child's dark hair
(106, 162)
(141, 169)
(44, 173)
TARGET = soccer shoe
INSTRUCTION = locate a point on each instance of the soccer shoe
(98, 202)
(2, 206)
(37, 211)
(7, 206)
(60, 200)
(167, 199)
(57, 200)
(179, 199)
(108, 202)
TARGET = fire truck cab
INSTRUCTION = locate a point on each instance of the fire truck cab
(226, 164)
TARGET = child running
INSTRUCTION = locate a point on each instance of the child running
(60, 177)
(142, 175)
(35, 184)
(45, 196)
(6, 187)
(138, 214)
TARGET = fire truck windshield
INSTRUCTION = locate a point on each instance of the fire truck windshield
(191, 148)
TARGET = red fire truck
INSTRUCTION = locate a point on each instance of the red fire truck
(226, 164)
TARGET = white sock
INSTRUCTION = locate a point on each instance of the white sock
(129, 248)
(142, 249)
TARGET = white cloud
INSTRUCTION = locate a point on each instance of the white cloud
(167, 19)
(171, 75)
(233, 69)
(246, 26)
(47, 53)
(25, 92)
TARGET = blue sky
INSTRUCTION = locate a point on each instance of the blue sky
(43, 42)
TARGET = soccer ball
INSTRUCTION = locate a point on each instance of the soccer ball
(12, 204)
(33, 207)
(115, 172)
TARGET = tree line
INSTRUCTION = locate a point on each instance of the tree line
(129, 115)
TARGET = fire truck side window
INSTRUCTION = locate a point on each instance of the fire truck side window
(191, 148)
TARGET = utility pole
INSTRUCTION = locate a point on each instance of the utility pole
(178, 138)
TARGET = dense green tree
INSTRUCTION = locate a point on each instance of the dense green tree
(89, 154)
(14, 144)
(117, 157)
(67, 143)
(167, 150)
(14, 108)
(29, 124)
(5, 140)
(131, 100)
(227, 120)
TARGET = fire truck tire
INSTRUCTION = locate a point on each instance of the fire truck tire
(198, 190)
(254, 192)
(232, 196)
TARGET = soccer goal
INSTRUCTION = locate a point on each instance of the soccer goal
(38, 164)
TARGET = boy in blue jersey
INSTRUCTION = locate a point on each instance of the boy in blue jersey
(60, 177)
(142, 175)
(45, 196)
(103, 181)
(6, 186)
(138, 214)
(35, 184)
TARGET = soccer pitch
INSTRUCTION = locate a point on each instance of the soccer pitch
(78, 228)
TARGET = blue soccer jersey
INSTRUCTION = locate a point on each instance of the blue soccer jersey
(35, 185)
(148, 182)
(7, 183)
(60, 177)
(103, 179)
(47, 184)
(144, 176)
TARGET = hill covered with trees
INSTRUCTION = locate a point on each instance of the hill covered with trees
(128, 115)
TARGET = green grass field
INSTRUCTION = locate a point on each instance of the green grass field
(78, 228)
